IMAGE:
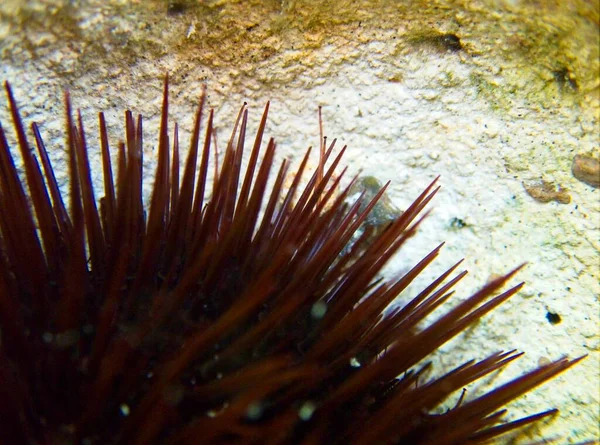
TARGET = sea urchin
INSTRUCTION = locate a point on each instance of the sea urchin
(250, 316)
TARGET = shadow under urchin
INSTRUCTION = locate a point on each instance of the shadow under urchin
(228, 309)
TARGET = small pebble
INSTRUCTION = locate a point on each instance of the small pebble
(544, 191)
(587, 170)
(544, 361)
(553, 317)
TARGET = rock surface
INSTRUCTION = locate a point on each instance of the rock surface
(487, 94)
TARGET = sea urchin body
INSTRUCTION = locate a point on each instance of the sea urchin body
(224, 311)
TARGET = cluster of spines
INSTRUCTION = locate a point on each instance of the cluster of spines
(252, 316)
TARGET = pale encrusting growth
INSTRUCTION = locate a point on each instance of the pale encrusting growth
(223, 311)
